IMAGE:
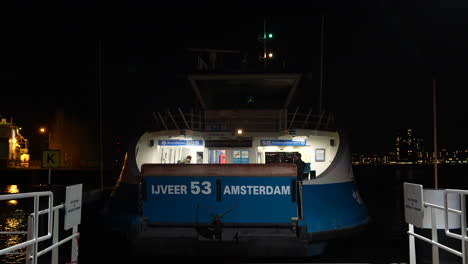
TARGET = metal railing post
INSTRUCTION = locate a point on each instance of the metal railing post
(463, 227)
(75, 246)
(412, 246)
(435, 248)
(55, 237)
(29, 236)
(36, 228)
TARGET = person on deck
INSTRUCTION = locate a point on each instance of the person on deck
(300, 164)
(187, 160)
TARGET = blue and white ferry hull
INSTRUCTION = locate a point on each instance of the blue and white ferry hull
(239, 209)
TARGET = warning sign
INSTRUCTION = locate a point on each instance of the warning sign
(51, 158)
(414, 204)
(73, 198)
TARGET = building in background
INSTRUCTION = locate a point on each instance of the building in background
(76, 139)
(13, 146)
(408, 148)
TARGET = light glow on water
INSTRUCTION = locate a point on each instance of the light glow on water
(12, 218)
(12, 202)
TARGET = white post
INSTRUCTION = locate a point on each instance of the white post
(55, 237)
(74, 249)
(36, 227)
(412, 246)
(463, 227)
(29, 236)
(435, 248)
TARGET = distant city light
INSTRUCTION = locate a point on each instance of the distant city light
(42, 130)
(239, 131)
(270, 55)
(409, 149)
(12, 189)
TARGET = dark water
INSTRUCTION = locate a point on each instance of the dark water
(384, 240)
(13, 217)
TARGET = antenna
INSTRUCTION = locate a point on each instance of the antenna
(264, 44)
(322, 34)
(100, 112)
(434, 116)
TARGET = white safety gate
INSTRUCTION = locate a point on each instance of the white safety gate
(414, 214)
(33, 239)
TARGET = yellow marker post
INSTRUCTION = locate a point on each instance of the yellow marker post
(50, 159)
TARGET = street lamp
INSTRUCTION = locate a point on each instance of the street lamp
(46, 133)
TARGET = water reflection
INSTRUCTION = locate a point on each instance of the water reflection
(12, 202)
(12, 218)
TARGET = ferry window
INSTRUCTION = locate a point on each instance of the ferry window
(240, 156)
(216, 156)
(279, 157)
(320, 154)
(199, 157)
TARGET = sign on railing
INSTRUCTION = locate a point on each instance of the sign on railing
(73, 198)
(413, 198)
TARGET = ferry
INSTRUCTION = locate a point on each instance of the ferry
(240, 194)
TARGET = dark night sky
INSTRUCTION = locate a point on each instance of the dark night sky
(379, 60)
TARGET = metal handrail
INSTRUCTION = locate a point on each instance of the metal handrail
(36, 239)
(33, 227)
(259, 122)
(434, 241)
(462, 214)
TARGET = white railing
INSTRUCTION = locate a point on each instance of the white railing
(251, 120)
(33, 238)
(434, 239)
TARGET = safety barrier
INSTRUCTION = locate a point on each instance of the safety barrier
(411, 206)
(33, 239)
(249, 120)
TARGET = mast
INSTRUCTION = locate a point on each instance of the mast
(100, 112)
(264, 44)
(322, 34)
(434, 116)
